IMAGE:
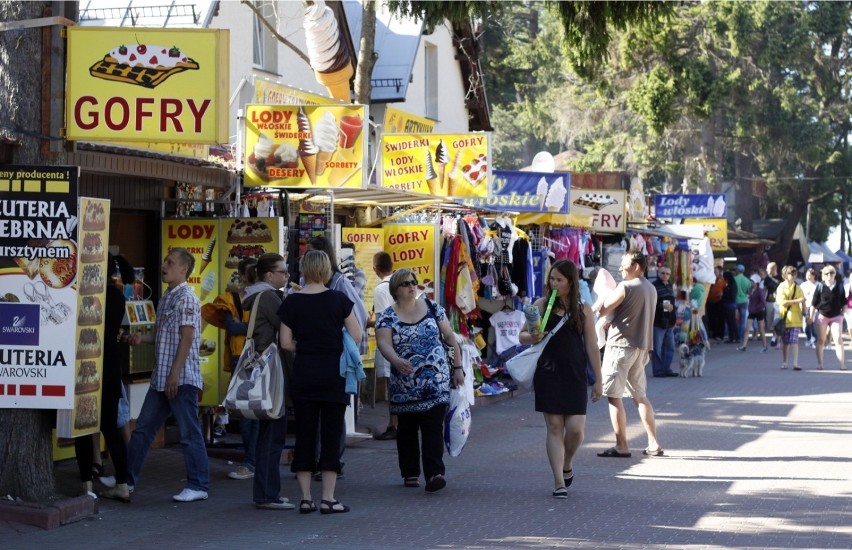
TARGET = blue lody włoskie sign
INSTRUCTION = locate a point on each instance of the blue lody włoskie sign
(524, 192)
(690, 206)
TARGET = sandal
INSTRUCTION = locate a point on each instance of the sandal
(797, 368)
(412, 482)
(568, 477)
(649, 452)
(612, 452)
(328, 507)
(307, 506)
(560, 493)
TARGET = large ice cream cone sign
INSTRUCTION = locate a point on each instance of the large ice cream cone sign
(337, 83)
(307, 148)
(430, 175)
(328, 54)
(442, 157)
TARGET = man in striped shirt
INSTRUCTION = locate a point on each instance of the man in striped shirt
(176, 378)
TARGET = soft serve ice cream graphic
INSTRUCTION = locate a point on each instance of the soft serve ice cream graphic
(325, 136)
(555, 200)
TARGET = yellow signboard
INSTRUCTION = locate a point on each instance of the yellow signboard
(271, 93)
(132, 84)
(444, 165)
(399, 122)
(607, 208)
(413, 246)
(716, 230)
(305, 146)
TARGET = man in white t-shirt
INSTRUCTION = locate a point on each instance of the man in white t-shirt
(383, 268)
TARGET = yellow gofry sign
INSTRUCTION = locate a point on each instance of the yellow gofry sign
(715, 228)
(305, 146)
(444, 165)
(163, 85)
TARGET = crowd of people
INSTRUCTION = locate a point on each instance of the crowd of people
(314, 323)
(776, 311)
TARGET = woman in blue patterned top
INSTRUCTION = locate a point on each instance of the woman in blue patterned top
(409, 335)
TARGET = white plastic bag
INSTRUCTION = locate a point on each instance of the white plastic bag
(457, 423)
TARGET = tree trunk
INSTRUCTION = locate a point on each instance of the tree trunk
(367, 55)
(744, 173)
(26, 459)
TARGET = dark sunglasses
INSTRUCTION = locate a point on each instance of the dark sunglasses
(408, 283)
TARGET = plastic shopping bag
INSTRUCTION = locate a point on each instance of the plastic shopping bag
(457, 423)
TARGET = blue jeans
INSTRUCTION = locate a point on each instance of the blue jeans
(661, 357)
(155, 411)
(249, 430)
(743, 328)
(271, 437)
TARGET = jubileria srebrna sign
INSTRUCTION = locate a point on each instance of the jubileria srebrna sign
(163, 85)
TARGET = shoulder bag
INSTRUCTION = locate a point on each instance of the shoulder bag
(522, 366)
(256, 390)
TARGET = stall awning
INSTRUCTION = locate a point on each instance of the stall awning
(570, 220)
(821, 254)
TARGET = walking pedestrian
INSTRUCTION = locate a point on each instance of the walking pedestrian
(560, 378)
(665, 317)
(176, 379)
(829, 301)
(743, 288)
(808, 287)
(410, 334)
(729, 307)
(629, 340)
(715, 311)
(790, 300)
(770, 283)
(756, 311)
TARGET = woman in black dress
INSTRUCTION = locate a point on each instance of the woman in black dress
(312, 322)
(560, 379)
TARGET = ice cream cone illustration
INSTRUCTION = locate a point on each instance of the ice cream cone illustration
(205, 258)
(555, 200)
(325, 137)
(207, 285)
(541, 192)
(307, 148)
(441, 160)
(329, 56)
(453, 176)
(431, 176)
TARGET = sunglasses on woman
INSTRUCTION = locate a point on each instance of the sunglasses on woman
(408, 283)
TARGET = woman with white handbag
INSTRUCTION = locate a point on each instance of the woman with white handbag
(271, 275)
(560, 379)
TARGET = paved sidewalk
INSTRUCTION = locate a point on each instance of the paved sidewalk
(756, 457)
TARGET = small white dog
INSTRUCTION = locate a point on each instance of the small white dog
(691, 360)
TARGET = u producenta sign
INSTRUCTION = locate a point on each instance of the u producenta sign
(162, 85)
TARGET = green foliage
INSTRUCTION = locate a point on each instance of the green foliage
(434, 12)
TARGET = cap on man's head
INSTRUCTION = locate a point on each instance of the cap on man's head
(740, 268)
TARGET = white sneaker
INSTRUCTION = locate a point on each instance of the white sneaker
(242, 472)
(107, 481)
(190, 495)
